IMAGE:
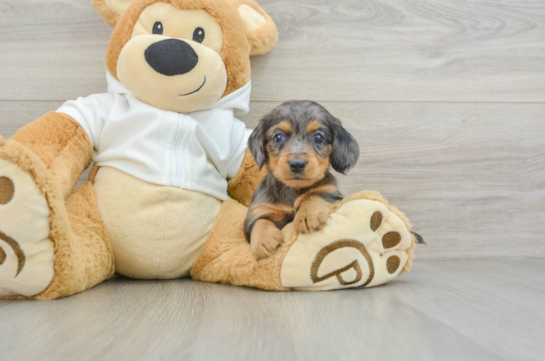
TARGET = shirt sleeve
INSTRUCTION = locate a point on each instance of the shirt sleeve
(90, 113)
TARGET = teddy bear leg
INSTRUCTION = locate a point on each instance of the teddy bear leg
(49, 247)
(366, 243)
(227, 257)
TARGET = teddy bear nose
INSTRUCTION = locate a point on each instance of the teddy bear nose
(171, 57)
(297, 165)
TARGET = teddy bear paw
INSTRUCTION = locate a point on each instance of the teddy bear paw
(363, 244)
(26, 251)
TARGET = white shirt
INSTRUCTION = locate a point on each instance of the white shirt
(196, 151)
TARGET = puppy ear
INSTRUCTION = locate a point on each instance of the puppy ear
(111, 10)
(345, 150)
(260, 28)
(256, 142)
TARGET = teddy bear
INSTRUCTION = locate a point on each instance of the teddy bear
(172, 175)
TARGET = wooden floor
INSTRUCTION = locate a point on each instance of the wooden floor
(480, 309)
(447, 101)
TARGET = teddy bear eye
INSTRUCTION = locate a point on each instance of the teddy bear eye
(198, 35)
(158, 28)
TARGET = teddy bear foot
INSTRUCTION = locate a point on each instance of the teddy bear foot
(364, 244)
(26, 251)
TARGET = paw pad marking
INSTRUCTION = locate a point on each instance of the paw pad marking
(26, 250)
(324, 252)
(21, 259)
(392, 264)
(363, 245)
(376, 221)
(391, 239)
(7, 190)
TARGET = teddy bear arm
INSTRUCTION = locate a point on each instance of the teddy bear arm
(242, 186)
(61, 143)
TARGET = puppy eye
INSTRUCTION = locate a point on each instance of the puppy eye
(279, 138)
(198, 35)
(318, 138)
(157, 28)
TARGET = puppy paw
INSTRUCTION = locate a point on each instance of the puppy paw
(265, 239)
(311, 219)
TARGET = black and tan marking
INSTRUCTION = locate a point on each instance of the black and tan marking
(298, 142)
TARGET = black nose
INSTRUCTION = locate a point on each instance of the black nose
(297, 165)
(171, 57)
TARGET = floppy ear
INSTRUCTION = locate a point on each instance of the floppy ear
(345, 150)
(257, 141)
(111, 10)
(260, 28)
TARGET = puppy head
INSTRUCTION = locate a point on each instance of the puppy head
(299, 140)
(184, 55)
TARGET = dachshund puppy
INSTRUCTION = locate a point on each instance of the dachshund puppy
(298, 141)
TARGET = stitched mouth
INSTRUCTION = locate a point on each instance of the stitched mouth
(194, 91)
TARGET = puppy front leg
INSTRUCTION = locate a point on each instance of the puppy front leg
(265, 239)
(313, 210)
(262, 227)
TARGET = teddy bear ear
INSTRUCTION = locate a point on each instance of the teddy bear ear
(111, 10)
(260, 28)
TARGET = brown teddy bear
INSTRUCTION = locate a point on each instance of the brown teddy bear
(172, 176)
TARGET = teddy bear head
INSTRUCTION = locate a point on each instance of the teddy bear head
(184, 55)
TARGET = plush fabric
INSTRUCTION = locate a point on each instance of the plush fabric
(81, 253)
(174, 62)
(263, 38)
(106, 12)
(235, 52)
(56, 241)
(61, 144)
(227, 257)
(349, 252)
(166, 229)
(242, 186)
(27, 252)
(376, 196)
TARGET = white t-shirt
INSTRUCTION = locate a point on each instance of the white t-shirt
(196, 151)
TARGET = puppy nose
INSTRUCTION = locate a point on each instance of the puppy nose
(297, 165)
(171, 57)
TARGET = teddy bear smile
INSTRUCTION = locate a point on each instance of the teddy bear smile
(194, 91)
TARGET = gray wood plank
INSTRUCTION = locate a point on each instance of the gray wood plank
(486, 300)
(449, 310)
(341, 50)
(470, 177)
